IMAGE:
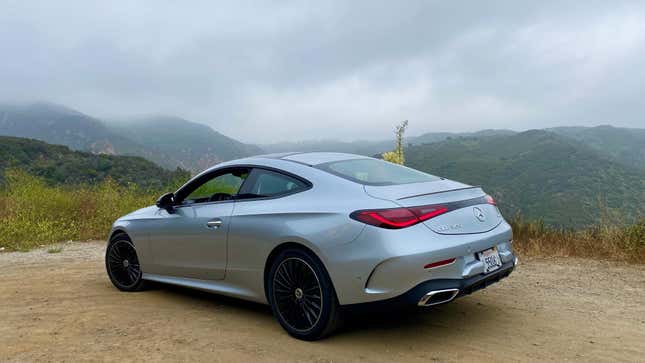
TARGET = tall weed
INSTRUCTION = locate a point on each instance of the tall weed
(33, 213)
(606, 241)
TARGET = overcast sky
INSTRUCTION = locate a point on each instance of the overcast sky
(264, 72)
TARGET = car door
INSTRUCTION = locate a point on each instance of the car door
(263, 213)
(190, 241)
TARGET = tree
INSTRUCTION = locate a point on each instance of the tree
(396, 156)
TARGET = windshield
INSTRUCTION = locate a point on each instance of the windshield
(376, 172)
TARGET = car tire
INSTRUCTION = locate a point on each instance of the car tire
(122, 264)
(302, 296)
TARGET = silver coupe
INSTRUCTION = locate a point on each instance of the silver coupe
(314, 234)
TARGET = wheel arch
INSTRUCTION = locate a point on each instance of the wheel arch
(117, 231)
(281, 247)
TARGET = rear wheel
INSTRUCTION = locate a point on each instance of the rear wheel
(122, 264)
(301, 294)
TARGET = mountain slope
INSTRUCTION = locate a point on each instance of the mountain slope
(360, 147)
(58, 164)
(60, 125)
(172, 142)
(625, 145)
(538, 173)
(431, 137)
(169, 141)
(372, 147)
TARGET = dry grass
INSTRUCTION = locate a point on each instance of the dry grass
(604, 241)
(33, 213)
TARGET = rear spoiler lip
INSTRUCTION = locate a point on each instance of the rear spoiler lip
(443, 191)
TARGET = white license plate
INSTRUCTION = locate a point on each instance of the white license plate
(491, 260)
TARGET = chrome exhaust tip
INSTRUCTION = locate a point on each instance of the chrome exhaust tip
(436, 297)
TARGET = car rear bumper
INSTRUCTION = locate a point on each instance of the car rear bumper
(448, 290)
(383, 264)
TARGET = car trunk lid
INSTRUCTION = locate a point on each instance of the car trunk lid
(468, 210)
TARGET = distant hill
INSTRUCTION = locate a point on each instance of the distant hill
(538, 173)
(624, 145)
(172, 142)
(360, 147)
(441, 136)
(372, 147)
(58, 164)
(57, 124)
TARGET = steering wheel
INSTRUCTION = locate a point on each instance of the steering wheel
(219, 197)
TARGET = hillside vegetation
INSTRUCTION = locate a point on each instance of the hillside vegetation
(32, 212)
(626, 146)
(57, 165)
(540, 175)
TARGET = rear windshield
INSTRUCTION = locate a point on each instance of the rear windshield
(376, 172)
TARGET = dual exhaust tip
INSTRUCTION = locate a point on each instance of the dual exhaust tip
(437, 297)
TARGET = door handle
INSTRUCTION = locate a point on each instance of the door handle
(214, 223)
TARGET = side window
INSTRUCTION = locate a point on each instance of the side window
(218, 188)
(267, 183)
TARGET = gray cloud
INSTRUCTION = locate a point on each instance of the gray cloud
(263, 72)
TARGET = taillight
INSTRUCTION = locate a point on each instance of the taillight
(395, 218)
(490, 200)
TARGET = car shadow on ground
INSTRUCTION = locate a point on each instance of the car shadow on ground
(209, 298)
(443, 319)
(394, 324)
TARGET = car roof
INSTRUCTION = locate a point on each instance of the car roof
(313, 158)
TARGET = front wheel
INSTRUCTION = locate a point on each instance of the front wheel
(122, 264)
(301, 295)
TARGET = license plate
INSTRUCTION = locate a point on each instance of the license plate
(491, 260)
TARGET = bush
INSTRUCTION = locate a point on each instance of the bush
(35, 213)
(606, 241)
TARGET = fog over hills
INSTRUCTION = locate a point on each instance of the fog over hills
(169, 141)
(175, 142)
(58, 124)
(264, 72)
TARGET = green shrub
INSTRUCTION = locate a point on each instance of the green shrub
(35, 213)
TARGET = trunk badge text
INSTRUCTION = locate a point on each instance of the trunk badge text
(445, 227)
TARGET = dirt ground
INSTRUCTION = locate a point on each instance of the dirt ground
(62, 307)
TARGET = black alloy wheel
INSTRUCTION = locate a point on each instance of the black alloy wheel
(302, 296)
(123, 265)
(297, 293)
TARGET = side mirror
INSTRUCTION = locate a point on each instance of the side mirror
(167, 201)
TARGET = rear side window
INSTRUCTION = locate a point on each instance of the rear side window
(376, 172)
(267, 183)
